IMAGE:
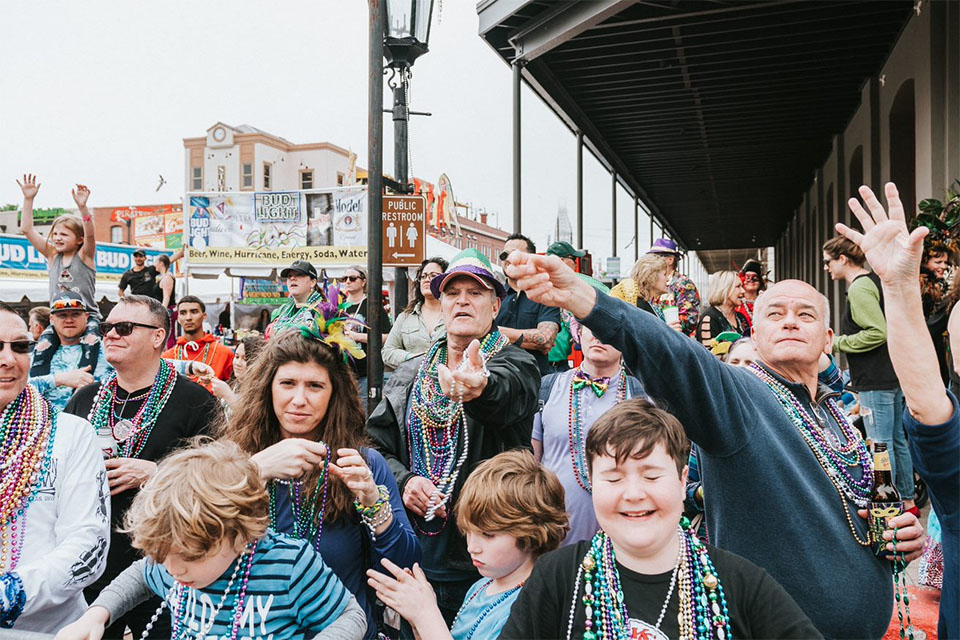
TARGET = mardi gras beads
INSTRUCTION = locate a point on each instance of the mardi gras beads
(307, 520)
(576, 439)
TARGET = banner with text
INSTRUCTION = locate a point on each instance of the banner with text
(19, 259)
(276, 227)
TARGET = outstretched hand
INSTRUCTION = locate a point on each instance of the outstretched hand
(893, 252)
(467, 382)
(29, 186)
(80, 195)
(547, 280)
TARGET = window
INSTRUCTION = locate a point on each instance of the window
(267, 180)
(116, 234)
(306, 179)
(197, 181)
(340, 178)
(246, 178)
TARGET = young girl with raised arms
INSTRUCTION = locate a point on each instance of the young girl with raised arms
(202, 523)
(511, 511)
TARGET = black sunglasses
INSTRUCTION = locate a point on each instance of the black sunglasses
(17, 346)
(122, 328)
(352, 278)
(503, 255)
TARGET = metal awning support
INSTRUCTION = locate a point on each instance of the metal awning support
(562, 23)
(517, 85)
(636, 228)
(580, 237)
(613, 205)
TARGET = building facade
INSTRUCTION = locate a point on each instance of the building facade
(245, 158)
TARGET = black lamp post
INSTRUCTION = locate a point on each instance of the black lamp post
(405, 37)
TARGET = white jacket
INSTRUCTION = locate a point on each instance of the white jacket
(67, 530)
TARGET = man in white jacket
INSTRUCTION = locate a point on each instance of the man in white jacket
(55, 514)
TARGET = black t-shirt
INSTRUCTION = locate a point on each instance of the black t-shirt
(758, 606)
(141, 283)
(517, 311)
(189, 411)
(360, 312)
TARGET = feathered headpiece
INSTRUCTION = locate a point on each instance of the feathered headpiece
(943, 221)
(329, 324)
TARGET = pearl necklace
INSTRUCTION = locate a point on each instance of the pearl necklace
(575, 431)
(27, 430)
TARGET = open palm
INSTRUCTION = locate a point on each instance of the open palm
(893, 252)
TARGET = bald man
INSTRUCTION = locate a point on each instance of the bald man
(768, 496)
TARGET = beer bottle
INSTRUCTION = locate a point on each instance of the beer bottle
(885, 500)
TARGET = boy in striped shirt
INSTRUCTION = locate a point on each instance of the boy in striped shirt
(201, 522)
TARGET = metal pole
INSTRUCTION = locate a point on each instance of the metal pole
(401, 119)
(516, 147)
(636, 228)
(374, 200)
(580, 237)
(613, 204)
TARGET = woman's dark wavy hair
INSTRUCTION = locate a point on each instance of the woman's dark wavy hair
(254, 426)
(417, 293)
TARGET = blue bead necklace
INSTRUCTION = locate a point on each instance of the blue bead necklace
(487, 610)
(575, 432)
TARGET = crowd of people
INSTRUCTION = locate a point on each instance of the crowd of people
(552, 458)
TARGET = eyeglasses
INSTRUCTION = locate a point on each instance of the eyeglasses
(17, 346)
(352, 278)
(426, 277)
(827, 261)
(122, 328)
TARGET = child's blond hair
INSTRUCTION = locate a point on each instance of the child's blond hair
(512, 493)
(71, 221)
(199, 497)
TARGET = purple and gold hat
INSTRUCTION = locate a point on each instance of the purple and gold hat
(468, 262)
(664, 245)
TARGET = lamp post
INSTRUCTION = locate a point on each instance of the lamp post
(405, 38)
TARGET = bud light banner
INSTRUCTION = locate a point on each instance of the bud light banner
(18, 259)
(277, 227)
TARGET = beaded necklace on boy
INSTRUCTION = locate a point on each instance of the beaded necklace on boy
(132, 433)
(436, 420)
(834, 461)
(576, 439)
(488, 609)
(307, 523)
(179, 594)
(702, 608)
(27, 430)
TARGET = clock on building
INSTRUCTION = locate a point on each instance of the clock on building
(219, 134)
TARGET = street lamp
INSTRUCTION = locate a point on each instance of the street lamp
(405, 37)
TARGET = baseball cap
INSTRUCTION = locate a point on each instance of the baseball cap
(140, 252)
(564, 250)
(300, 266)
(473, 264)
(67, 301)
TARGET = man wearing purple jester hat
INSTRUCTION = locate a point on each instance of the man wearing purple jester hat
(472, 396)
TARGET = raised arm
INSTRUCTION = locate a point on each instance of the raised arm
(30, 187)
(894, 253)
(88, 252)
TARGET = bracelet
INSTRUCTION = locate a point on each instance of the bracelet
(12, 599)
(373, 523)
(382, 499)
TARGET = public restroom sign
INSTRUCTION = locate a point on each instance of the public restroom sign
(19, 259)
(404, 230)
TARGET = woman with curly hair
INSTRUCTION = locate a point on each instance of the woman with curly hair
(299, 416)
(647, 282)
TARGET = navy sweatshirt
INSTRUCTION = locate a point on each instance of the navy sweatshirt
(767, 497)
(935, 450)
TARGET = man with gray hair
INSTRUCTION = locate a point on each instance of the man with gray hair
(786, 478)
(141, 412)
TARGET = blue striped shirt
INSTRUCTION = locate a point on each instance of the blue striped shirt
(291, 593)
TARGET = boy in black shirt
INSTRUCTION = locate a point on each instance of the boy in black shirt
(642, 569)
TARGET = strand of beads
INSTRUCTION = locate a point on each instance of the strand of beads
(835, 462)
(101, 412)
(238, 609)
(183, 355)
(181, 598)
(576, 439)
(307, 520)
(28, 427)
(486, 610)
(900, 590)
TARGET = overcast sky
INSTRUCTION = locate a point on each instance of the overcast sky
(103, 92)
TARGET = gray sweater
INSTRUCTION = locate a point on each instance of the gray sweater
(767, 497)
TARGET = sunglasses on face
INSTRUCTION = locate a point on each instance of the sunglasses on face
(426, 277)
(352, 278)
(751, 279)
(827, 261)
(122, 328)
(503, 255)
(17, 346)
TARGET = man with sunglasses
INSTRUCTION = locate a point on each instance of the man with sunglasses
(525, 323)
(142, 411)
(57, 377)
(55, 492)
